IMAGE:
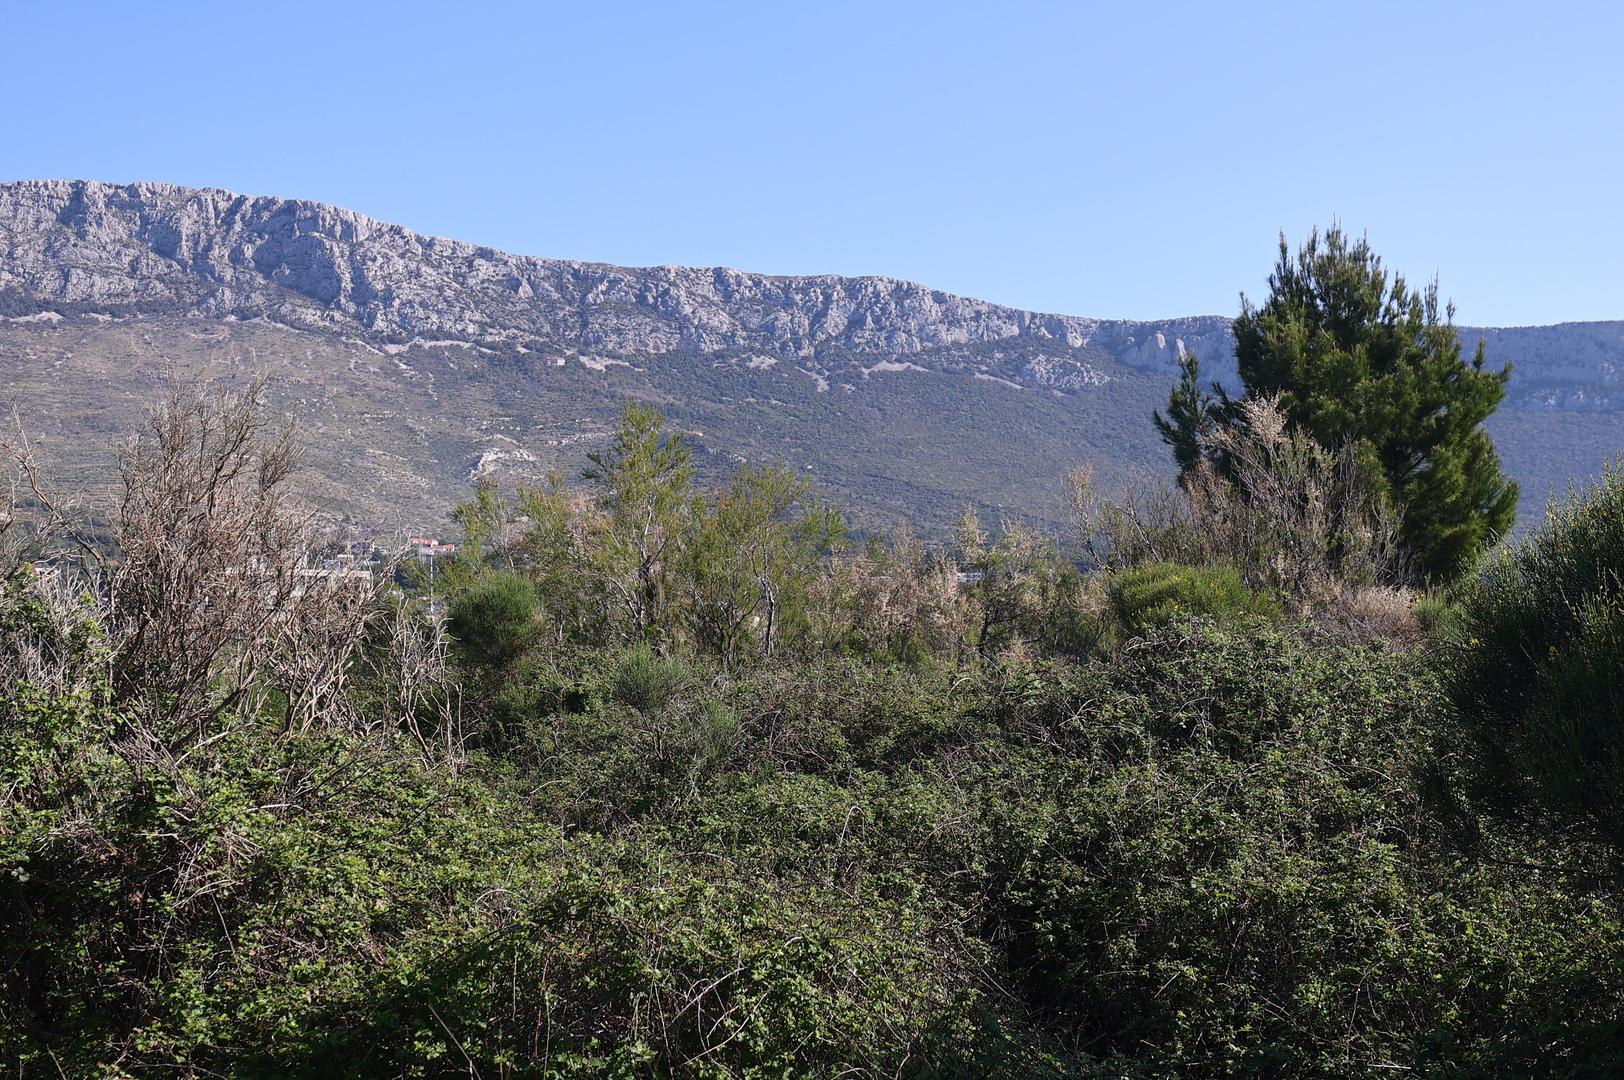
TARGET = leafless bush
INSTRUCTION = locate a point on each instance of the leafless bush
(208, 608)
(413, 666)
(1147, 521)
(311, 648)
(50, 624)
(210, 542)
(34, 523)
(210, 600)
(1293, 515)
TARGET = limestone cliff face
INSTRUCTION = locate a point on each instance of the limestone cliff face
(157, 247)
(90, 248)
(413, 362)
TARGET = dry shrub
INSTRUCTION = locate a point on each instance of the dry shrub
(1294, 517)
(1020, 588)
(50, 636)
(211, 599)
(423, 698)
(1015, 658)
(208, 606)
(1146, 521)
(1372, 613)
(46, 619)
(899, 601)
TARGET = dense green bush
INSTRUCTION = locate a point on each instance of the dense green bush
(1232, 871)
(1207, 856)
(405, 924)
(496, 620)
(1159, 593)
(1538, 665)
(648, 682)
(1437, 613)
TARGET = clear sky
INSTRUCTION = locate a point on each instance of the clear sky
(1111, 159)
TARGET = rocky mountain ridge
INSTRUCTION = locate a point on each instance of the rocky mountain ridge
(149, 247)
(494, 360)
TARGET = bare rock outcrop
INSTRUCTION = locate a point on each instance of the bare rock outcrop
(157, 247)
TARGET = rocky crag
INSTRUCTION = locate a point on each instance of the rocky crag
(488, 361)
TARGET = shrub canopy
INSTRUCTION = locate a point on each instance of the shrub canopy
(1538, 665)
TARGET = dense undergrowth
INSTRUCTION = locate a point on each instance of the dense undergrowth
(972, 815)
(1212, 855)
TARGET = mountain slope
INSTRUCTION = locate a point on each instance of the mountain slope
(155, 247)
(419, 362)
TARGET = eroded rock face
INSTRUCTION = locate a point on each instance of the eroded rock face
(156, 246)
(89, 248)
(415, 363)
(1159, 346)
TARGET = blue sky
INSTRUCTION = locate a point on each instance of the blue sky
(1117, 160)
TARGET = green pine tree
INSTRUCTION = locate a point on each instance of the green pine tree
(1191, 412)
(1357, 356)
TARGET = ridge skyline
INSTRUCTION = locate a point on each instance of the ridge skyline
(466, 360)
(878, 277)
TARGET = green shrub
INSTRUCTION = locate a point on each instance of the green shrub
(715, 730)
(1438, 615)
(497, 620)
(648, 682)
(1210, 855)
(1538, 666)
(1229, 870)
(1159, 593)
(404, 922)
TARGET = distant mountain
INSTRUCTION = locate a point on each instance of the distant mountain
(416, 362)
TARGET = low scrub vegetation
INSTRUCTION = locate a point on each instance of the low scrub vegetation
(664, 781)
(1156, 594)
(1535, 645)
